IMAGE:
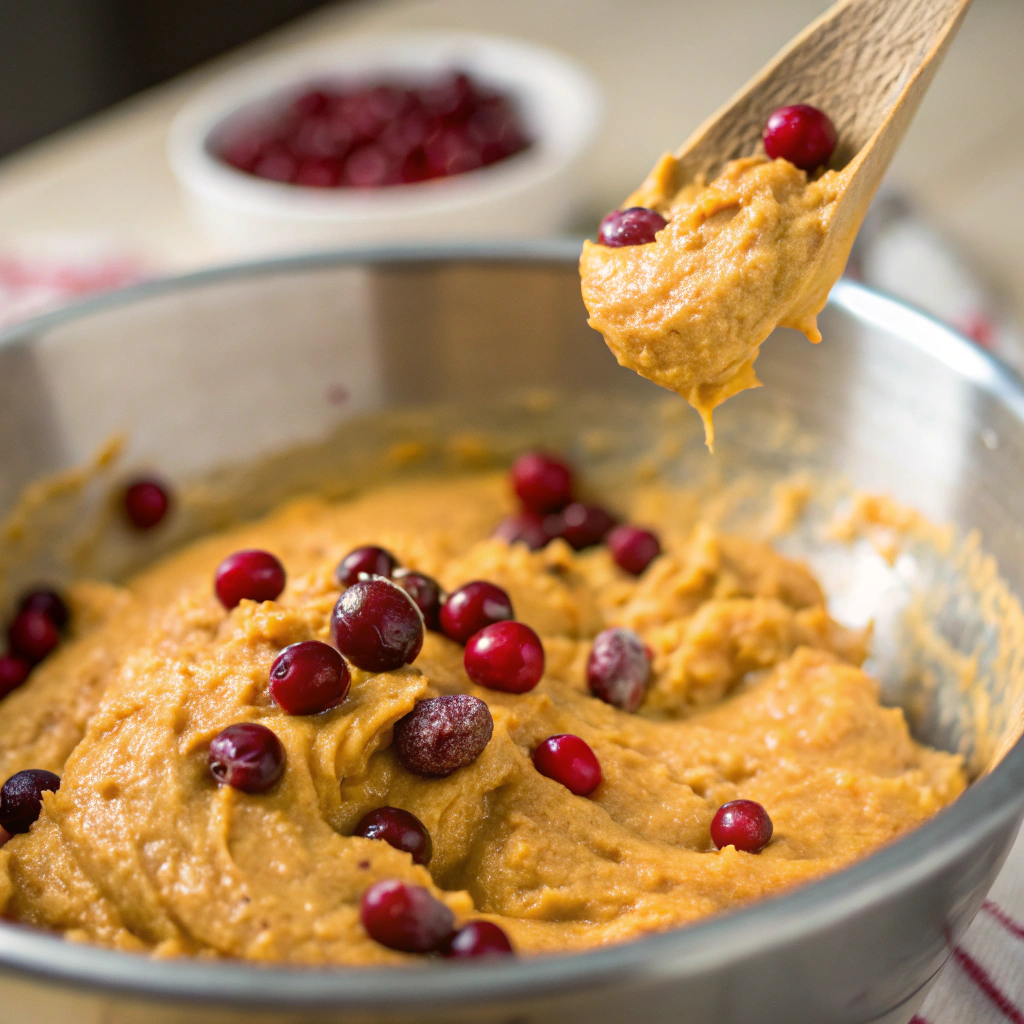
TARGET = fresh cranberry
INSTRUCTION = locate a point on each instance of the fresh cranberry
(542, 482)
(741, 823)
(13, 672)
(635, 226)
(365, 561)
(426, 594)
(398, 828)
(633, 547)
(309, 677)
(249, 575)
(505, 656)
(618, 668)
(569, 760)
(311, 102)
(473, 606)
(405, 917)
(32, 635)
(276, 164)
(377, 626)
(146, 503)
(319, 172)
(243, 149)
(369, 166)
(442, 734)
(21, 798)
(801, 134)
(478, 939)
(581, 526)
(247, 756)
(524, 527)
(50, 603)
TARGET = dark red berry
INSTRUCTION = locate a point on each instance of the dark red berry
(741, 823)
(618, 668)
(247, 756)
(635, 226)
(405, 917)
(478, 939)
(524, 527)
(377, 626)
(32, 635)
(249, 575)
(21, 798)
(505, 656)
(50, 603)
(581, 526)
(13, 672)
(398, 828)
(569, 760)
(426, 594)
(443, 734)
(542, 482)
(366, 561)
(146, 503)
(633, 547)
(309, 677)
(801, 134)
(473, 606)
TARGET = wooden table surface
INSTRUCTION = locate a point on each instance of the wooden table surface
(664, 65)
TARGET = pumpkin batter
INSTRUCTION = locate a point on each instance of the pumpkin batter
(756, 693)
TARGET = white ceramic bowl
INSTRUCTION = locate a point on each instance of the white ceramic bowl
(534, 193)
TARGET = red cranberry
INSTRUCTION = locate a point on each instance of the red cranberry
(542, 482)
(398, 828)
(442, 734)
(369, 166)
(13, 672)
(478, 939)
(319, 172)
(21, 798)
(473, 606)
(741, 823)
(309, 677)
(505, 656)
(635, 226)
(32, 635)
(405, 917)
(581, 526)
(618, 668)
(426, 594)
(377, 626)
(569, 760)
(146, 503)
(801, 134)
(524, 527)
(50, 603)
(633, 547)
(276, 164)
(366, 561)
(311, 102)
(249, 575)
(247, 756)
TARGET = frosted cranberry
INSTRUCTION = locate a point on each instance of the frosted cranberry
(581, 526)
(50, 603)
(506, 656)
(146, 503)
(542, 482)
(426, 594)
(478, 939)
(569, 760)
(377, 626)
(369, 561)
(249, 575)
(801, 134)
(405, 917)
(633, 547)
(32, 635)
(21, 798)
(635, 226)
(398, 828)
(618, 668)
(524, 527)
(13, 672)
(443, 734)
(473, 606)
(741, 823)
(246, 756)
(309, 677)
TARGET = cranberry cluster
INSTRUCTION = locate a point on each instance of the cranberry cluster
(34, 632)
(389, 133)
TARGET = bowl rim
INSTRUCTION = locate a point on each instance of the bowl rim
(994, 800)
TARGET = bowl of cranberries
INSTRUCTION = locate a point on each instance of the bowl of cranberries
(421, 137)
